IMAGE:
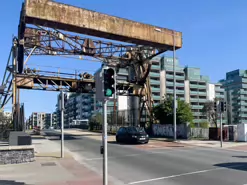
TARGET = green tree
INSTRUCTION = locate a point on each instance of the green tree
(95, 121)
(5, 125)
(208, 110)
(203, 124)
(164, 112)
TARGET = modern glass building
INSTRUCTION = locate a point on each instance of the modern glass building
(235, 86)
(196, 92)
(155, 79)
(78, 107)
(191, 86)
(166, 78)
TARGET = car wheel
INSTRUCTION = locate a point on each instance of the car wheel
(117, 139)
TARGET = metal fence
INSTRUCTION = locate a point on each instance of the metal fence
(130, 117)
(116, 119)
(199, 133)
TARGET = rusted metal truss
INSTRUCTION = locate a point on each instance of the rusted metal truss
(51, 81)
(79, 20)
(6, 92)
(54, 81)
(54, 42)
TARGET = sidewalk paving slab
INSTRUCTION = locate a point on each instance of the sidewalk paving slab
(48, 168)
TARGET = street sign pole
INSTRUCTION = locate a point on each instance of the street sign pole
(105, 155)
(62, 124)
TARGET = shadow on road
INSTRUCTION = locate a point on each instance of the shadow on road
(243, 157)
(233, 165)
(10, 182)
(116, 143)
(66, 137)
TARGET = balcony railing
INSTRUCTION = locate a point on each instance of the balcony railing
(154, 74)
(156, 97)
(170, 91)
(157, 82)
(196, 106)
(154, 89)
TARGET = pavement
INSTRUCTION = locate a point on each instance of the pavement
(49, 168)
(161, 162)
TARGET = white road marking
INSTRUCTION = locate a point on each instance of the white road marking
(183, 174)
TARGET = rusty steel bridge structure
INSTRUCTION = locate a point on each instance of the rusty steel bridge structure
(54, 29)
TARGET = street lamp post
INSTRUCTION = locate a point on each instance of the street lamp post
(174, 91)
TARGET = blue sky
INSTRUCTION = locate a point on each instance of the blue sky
(214, 36)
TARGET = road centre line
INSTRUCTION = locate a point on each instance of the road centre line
(183, 174)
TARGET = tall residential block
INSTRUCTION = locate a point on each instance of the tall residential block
(40, 119)
(191, 86)
(235, 86)
(167, 76)
(78, 106)
(196, 92)
(155, 82)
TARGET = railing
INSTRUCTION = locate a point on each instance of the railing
(155, 89)
(157, 82)
(154, 74)
(198, 100)
(196, 106)
(177, 91)
(156, 97)
(177, 84)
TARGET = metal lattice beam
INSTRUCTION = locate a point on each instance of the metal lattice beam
(54, 42)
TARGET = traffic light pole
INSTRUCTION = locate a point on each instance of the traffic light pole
(221, 132)
(62, 124)
(105, 155)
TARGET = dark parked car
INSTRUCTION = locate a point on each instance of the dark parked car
(132, 135)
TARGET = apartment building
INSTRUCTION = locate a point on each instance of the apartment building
(78, 107)
(48, 120)
(235, 86)
(166, 78)
(191, 86)
(40, 119)
(37, 119)
(196, 92)
(155, 82)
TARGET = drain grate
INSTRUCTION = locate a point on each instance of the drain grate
(49, 164)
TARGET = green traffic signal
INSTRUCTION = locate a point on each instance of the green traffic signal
(108, 92)
(109, 82)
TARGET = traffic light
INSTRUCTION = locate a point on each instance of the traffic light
(223, 106)
(215, 106)
(109, 82)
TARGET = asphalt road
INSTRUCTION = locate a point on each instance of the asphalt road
(179, 166)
